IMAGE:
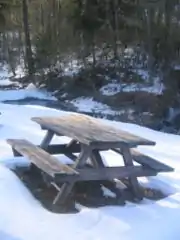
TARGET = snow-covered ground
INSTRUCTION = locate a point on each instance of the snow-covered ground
(4, 73)
(86, 104)
(157, 87)
(23, 218)
(23, 94)
(30, 92)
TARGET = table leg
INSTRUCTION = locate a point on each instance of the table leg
(128, 161)
(111, 185)
(96, 159)
(47, 139)
(83, 156)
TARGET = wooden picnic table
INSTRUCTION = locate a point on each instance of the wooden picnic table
(89, 136)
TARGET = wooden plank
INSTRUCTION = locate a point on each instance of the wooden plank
(67, 187)
(62, 149)
(83, 156)
(150, 162)
(97, 158)
(57, 149)
(107, 173)
(98, 162)
(89, 130)
(147, 161)
(71, 156)
(47, 163)
(47, 139)
(132, 179)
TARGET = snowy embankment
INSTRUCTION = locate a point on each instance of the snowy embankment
(82, 104)
(30, 92)
(23, 218)
(87, 104)
(10, 95)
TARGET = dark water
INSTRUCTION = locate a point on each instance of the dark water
(59, 105)
(42, 102)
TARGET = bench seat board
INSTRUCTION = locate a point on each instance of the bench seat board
(147, 161)
(150, 162)
(43, 160)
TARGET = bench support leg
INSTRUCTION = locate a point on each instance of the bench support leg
(66, 188)
(63, 194)
(134, 185)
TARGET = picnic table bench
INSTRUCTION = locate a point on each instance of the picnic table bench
(89, 136)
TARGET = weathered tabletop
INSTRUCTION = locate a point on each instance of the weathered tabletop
(89, 130)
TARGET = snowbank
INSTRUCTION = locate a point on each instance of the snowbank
(85, 104)
(30, 92)
(10, 95)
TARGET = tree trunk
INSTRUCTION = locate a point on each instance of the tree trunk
(150, 43)
(168, 51)
(115, 28)
(28, 49)
(83, 49)
(94, 50)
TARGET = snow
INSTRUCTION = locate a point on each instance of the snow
(5, 76)
(156, 87)
(110, 89)
(113, 88)
(87, 105)
(177, 67)
(7, 82)
(23, 94)
(20, 70)
(4, 72)
(23, 217)
(30, 92)
(72, 68)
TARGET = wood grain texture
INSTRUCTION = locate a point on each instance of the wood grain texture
(62, 149)
(150, 162)
(147, 161)
(44, 161)
(107, 173)
(132, 179)
(89, 130)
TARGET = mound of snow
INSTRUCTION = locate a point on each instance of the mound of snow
(10, 95)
